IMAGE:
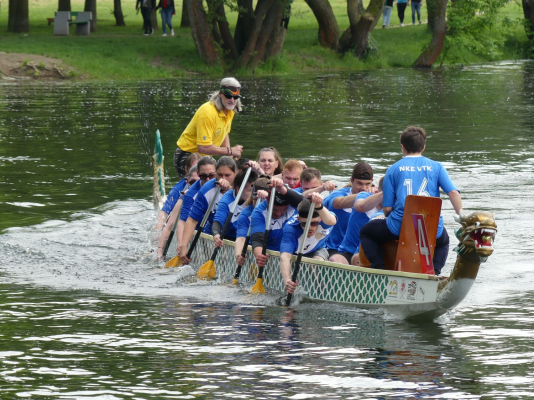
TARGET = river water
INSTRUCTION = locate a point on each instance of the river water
(87, 313)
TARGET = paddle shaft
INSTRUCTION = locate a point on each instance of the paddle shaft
(171, 235)
(267, 229)
(201, 227)
(245, 247)
(301, 249)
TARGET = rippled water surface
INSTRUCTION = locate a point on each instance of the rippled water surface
(87, 313)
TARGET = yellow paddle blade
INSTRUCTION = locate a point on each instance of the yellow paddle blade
(205, 271)
(258, 287)
(212, 271)
(235, 282)
(173, 262)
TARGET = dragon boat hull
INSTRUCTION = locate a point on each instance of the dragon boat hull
(406, 295)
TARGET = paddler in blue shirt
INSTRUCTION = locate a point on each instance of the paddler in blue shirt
(285, 206)
(227, 203)
(225, 171)
(413, 174)
(341, 203)
(366, 205)
(260, 191)
(315, 245)
(174, 194)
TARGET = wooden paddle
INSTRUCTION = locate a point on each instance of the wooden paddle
(244, 251)
(178, 262)
(258, 286)
(301, 249)
(207, 271)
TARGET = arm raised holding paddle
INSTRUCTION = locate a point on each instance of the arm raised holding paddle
(308, 233)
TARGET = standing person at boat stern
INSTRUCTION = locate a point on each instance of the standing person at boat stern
(413, 174)
(209, 129)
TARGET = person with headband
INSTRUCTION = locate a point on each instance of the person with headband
(208, 131)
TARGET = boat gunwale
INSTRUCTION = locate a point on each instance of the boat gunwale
(337, 265)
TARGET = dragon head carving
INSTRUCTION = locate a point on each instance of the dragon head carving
(476, 233)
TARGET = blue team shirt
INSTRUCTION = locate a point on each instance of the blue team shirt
(202, 201)
(243, 222)
(223, 211)
(173, 196)
(293, 234)
(413, 175)
(189, 200)
(351, 242)
(335, 238)
(259, 218)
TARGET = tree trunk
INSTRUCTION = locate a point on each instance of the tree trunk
(431, 10)
(201, 32)
(90, 5)
(528, 12)
(328, 28)
(356, 36)
(278, 35)
(432, 52)
(272, 19)
(261, 10)
(64, 5)
(18, 19)
(117, 12)
(245, 21)
(185, 16)
(228, 43)
(12, 15)
(353, 12)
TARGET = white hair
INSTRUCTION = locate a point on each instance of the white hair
(216, 100)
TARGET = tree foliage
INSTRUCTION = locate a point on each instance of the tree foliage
(477, 27)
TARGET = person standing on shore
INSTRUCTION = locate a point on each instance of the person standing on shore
(167, 11)
(401, 8)
(416, 8)
(209, 129)
(386, 17)
(146, 10)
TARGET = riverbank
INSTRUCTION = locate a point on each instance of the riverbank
(124, 53)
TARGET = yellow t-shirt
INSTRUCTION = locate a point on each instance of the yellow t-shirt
(208, 126)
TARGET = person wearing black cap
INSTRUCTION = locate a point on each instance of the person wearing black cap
(208, 131)
(340, 202)
(286, 202)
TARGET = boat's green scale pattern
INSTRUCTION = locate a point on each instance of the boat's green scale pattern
(326, 281)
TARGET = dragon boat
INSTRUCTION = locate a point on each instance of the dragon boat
(408, 287)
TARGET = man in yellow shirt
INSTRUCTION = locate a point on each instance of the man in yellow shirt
(209, 129)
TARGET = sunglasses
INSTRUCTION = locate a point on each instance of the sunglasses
(228, 97)
(206, 176)
(313, 223)
(190, 182)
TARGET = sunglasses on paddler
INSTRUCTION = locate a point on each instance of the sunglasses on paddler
(206, 176)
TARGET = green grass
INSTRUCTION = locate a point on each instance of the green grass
(124, 53)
